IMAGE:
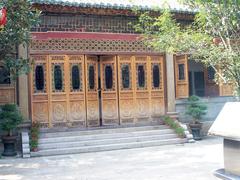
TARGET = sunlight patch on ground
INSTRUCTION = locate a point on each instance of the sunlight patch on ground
(11, 177)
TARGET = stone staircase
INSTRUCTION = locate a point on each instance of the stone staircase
(104, 139)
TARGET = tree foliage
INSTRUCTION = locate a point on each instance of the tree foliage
(213, 38)
(20, 19)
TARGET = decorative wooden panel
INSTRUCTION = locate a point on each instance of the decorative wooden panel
(157, 102)
(92, 99)
(126, 89)
(211, 88)
(132, 90)
(58, 94)
(142, 90)
(181, 76)
(40, 98)
(77, 108)
(226, 89)
(109, 93)
(84, 45)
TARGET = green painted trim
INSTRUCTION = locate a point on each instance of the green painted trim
(107, 6)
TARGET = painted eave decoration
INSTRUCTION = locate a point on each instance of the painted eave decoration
(227, 124)
(124, 4)
(3, 17)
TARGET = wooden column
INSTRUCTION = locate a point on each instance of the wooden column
(170, 83)
(23, 91)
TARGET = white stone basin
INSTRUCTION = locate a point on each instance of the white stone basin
(227, 125)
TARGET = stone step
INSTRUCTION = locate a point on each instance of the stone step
(80, 132)
(94, 142)
(108, 147)
(73, 137)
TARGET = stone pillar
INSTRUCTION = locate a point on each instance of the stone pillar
(170, 83)
(23, 91)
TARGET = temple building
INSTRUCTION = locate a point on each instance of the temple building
(91, 69)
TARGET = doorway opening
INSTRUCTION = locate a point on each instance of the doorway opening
(196, 79)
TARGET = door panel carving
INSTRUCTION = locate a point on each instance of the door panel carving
(58, 91)
(126, 91)
(76, 102)
(92, 99)
(40, 96)
(142, 89)
(55, 102)
(109, 96)
(157, 100)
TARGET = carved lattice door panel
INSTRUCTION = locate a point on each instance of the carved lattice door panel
(126, 89)
(59, 89)
(39, 90)
(109, 93)
(76, 95)
(92, 99)
(181, 76)
(142, 89)
(157, 100)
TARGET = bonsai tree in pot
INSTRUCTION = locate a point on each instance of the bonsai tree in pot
(10, 118)
(196, 110)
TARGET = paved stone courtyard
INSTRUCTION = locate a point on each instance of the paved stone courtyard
(175, 162)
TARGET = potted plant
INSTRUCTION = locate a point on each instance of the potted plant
(10, 118)
(195, 109)
(34, 136)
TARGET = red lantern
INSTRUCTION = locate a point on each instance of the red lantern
(3, 17)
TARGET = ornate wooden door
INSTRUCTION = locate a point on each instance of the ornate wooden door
(157, 100)
(181, 76)
(76, 91)
(126, 89)
(58, 91)
(39, 90)
(142, 91)
(109, 93)
(92, 98)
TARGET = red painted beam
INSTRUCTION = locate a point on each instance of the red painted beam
(83, 35)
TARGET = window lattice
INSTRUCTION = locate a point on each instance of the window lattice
(88, 45)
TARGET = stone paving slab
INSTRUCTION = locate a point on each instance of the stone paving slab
(192, 161)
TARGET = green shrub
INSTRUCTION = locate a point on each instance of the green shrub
(196, 109)
(10, 118)
(34, 135)
(174, 125)
(180, 132)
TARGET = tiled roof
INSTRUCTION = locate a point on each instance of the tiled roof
(117, 4)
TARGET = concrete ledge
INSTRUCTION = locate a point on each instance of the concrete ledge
(214, 106)
(222, 174)
(25, 145)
